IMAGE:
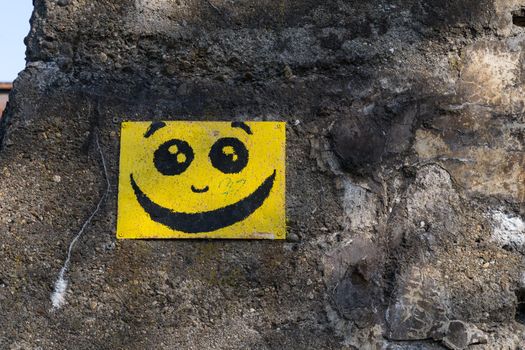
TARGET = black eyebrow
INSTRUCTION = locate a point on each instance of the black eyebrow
(243, 126)
(154, 127)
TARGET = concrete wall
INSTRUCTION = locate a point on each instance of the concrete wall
(406, 179)
(3, 102)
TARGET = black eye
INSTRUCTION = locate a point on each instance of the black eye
(229, 155)
(173, 157)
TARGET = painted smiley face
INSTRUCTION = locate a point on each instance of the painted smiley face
(202, 180)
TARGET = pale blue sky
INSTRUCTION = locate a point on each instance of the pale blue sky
(14, 27)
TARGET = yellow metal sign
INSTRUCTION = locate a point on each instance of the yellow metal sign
(182, 179)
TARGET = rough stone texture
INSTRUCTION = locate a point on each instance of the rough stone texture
(406, 175)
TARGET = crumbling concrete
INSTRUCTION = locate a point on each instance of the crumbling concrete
(405, 178)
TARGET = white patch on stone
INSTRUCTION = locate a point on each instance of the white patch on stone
(360, 206)
(507, 229)
(153, 16)
(59, 293)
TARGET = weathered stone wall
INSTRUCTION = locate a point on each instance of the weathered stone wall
(405, 190)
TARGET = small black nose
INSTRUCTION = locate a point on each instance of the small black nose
(199, 190)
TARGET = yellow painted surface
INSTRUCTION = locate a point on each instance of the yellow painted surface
(139, 159)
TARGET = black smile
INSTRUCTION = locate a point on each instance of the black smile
(204, 221)
(199, 190)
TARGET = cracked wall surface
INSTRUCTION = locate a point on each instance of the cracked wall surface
(405, 175)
